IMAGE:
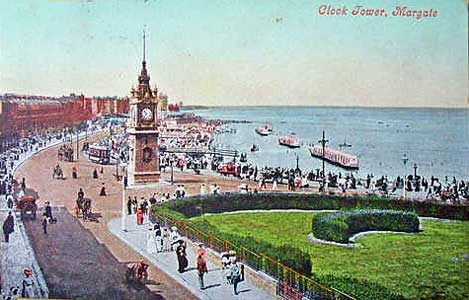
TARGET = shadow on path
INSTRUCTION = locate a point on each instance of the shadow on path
(76, 265)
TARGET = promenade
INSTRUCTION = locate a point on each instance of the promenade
(18, 254)
(37, 169)
(62, 194)
(215, 283)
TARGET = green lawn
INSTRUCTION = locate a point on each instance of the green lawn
(417, 266)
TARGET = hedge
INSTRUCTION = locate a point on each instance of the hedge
(340, 226)
(360, 288)
(296, 259)
(299, 260)
(196, 206)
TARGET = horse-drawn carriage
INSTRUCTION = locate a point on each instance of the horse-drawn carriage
(84, 208)
(65, 152)
(28, 207)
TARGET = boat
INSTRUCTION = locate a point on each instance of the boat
(262, 131)
(345, 145)
(289, 141)
(335, 157)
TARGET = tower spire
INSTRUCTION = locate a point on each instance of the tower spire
(143, 44)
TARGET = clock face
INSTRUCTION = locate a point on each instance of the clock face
(146, 114)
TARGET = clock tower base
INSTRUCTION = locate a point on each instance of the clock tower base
(143, 178)
(143, 160)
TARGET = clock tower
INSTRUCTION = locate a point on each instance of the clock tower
(143, 132)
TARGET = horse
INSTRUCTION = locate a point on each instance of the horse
(84, 207)
(57, 172)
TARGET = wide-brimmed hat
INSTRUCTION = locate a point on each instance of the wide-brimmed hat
(174, 228)
(28, 272)
(178, 241)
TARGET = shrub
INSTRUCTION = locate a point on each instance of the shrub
(359, 288)
(195, 206)
(340, 226)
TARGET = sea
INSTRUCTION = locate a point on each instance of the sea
(435, 141)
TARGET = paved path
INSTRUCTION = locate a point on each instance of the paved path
(18, 254)
(135, 237)
(76, 265)
(61, 193)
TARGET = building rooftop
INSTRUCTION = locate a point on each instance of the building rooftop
(34, 99)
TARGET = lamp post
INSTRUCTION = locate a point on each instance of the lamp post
(405, 159)
(172, 172)
(297, 164)
(78, 142)
(117, 166)
(323, 142)
(124, 187)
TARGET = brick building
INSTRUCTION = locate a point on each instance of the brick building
(21, 115)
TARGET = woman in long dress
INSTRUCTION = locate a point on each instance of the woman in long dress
(182, 257)
(27, 290)
(203, 190)
(158, 239)
(173, 237)
(151, 246)
(139, 216)
(166, 243)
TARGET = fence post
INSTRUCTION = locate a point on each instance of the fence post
(225, 246)
(280, 272)
(210, 240)
(184, 226)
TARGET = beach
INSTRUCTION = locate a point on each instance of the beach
(433, 139)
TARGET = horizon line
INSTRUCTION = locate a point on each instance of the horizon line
(329, 106)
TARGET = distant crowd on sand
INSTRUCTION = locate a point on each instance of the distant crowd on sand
(450, 191)
(417, 187)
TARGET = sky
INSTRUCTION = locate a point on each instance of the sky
(238, 52)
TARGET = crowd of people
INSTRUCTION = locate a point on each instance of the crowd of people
(196, 136)
(164, 239)
(8, 160)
